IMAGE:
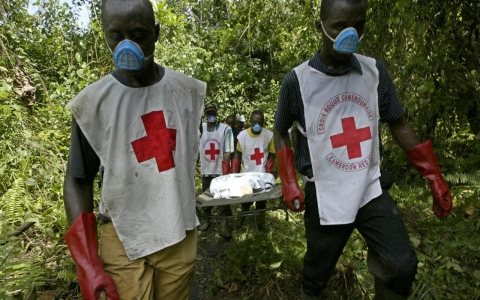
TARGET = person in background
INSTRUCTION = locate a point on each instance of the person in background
(230, 121)
(256, 148)
(337, 99)
(240, 122)
(216, 146)
(239, 126)
(131, 124)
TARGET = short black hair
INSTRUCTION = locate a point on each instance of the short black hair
(257, 112)
(145, 5)
(327, 5)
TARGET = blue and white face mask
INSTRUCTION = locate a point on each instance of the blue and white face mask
(212, 119)
(129, 56)
(346, 41)
(257, 128)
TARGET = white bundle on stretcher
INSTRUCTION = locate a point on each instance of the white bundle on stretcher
(241, 184)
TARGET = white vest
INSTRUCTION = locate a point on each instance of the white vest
(211, 149)
(255, 150)
(147, 141)
(342, 115)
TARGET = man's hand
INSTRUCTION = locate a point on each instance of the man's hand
(292, 195)
(82, 241)
(424, 160)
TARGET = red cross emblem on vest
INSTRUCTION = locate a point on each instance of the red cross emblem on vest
(212, 151)
(159, 142)
(351, 137)
(257, 156)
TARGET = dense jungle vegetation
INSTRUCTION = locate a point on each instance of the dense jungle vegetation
(243, 49)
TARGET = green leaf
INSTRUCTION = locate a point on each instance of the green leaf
(80, 72)
(30, 182)
(440, 272)
(57, 188)
(415, 241)
(50, 232)
(476, 274)
(423, 89)
(275, 265)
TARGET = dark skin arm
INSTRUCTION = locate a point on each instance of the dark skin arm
(226, 157)
(77, 197)
(404, 134)
(281, 140)
(238, 154)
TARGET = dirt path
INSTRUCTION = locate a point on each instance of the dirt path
(210, 246)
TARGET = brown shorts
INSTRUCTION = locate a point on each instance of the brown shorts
(166, 274)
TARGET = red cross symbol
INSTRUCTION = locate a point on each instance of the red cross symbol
(351, 137)
(257, 156)
(212, 151)
(159, 142)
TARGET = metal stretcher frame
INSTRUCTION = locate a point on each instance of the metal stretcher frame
(206, 200)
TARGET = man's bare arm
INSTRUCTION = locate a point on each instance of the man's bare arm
(77, 197)
(281, 140)
(404, 134)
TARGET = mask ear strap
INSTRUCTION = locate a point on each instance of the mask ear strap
(323, 29)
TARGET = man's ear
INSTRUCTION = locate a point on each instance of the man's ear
(318, 26)
(157, 30)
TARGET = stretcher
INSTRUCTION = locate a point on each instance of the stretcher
(274, 195)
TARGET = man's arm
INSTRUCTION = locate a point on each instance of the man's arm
(281, 140)
(292, 195)
(237, 155)
(82, 236)
(404, 134)
(228, 150)
(226, 157)
(77, 197)
(424, 160)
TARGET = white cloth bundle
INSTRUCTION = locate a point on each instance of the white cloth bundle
(241, 184)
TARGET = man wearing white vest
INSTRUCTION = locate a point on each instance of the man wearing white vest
(139, 126)
(255, 147)
(216, 146)
(337, 99)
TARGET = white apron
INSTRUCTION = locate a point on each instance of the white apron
(255, 150)
(211, 149)
(147, 142)
(341, 115)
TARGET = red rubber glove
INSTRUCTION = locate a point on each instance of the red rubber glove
(235, 165)
(82, 241)
(424, 160)
(225, 167)
(270, 163)
(290, 189)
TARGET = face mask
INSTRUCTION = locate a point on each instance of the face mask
(212, 119)
(257, 128)
(346, 41)
(129, 56)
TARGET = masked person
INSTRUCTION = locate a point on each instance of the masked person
(255, 147)
(131, 124)
(216, 146)
(337, 99)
